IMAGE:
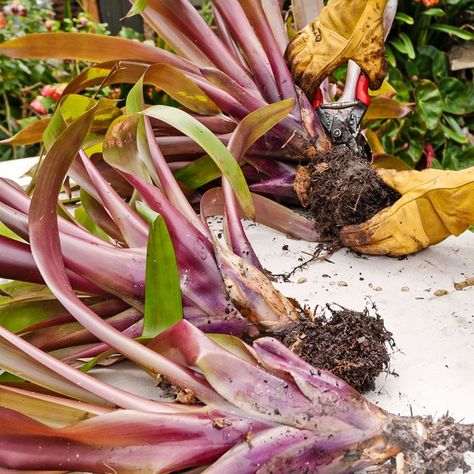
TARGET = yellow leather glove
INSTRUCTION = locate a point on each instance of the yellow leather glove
(344, 30)
(434, 205)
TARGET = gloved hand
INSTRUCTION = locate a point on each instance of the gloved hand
(434, 205)
(334, 37)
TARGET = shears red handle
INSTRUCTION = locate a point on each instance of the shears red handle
(362, 89)
(362, 92)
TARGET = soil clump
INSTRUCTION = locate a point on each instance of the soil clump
(352, 345)
(344, 189)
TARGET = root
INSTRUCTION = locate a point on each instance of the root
(428, 446)
(343, 189)
(353, 345)
(321, 253)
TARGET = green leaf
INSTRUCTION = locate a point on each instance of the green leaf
(412, 70)
(457, 156)
(134, 102)
(146, 212)
(434, 12)
(72, 107)
(182, 89)
(404, 45)
(399, 46)
(137, 8)
(81, 215)
(198, 173)
(398, 81)
(432, 62)
(388, 133)
(414, 138)
(212, 146)
(454, 125)
(453, 30)
(21, 313)
(125, 144)
(429, 103)
(456, 96)
(163, 305)
(436, 164)
(404, 18)
(22, 290)
(6, 232)
(390, 56)
(454, 134)
(7, 377)
(121, 148)
(465, 157)
(249, 130)
(93, 362)
(410, 50)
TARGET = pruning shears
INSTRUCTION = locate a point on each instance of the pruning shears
(341, 120)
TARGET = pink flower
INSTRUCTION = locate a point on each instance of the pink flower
(37, 106)
(428, 150)
(83, 21)
(3, 20)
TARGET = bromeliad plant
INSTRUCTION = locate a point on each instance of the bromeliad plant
(98, 266)
(260, 409)
(223, 74)
(224, 288)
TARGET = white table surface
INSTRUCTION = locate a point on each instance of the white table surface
(434, 359)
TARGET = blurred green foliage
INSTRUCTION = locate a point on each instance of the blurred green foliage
(439, 133)
(30, 89)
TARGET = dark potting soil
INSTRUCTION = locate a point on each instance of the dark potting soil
(344, 189)
(352, 345)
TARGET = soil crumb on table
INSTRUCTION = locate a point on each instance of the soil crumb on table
(176, 394)
(352, 345)
(344, 189)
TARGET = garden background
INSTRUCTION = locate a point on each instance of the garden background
(430, 50)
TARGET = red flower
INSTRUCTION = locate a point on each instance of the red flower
(56, 95)
(52, 91)
(429, 3)
(47, 91)
(3, 20)
(37, 106)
